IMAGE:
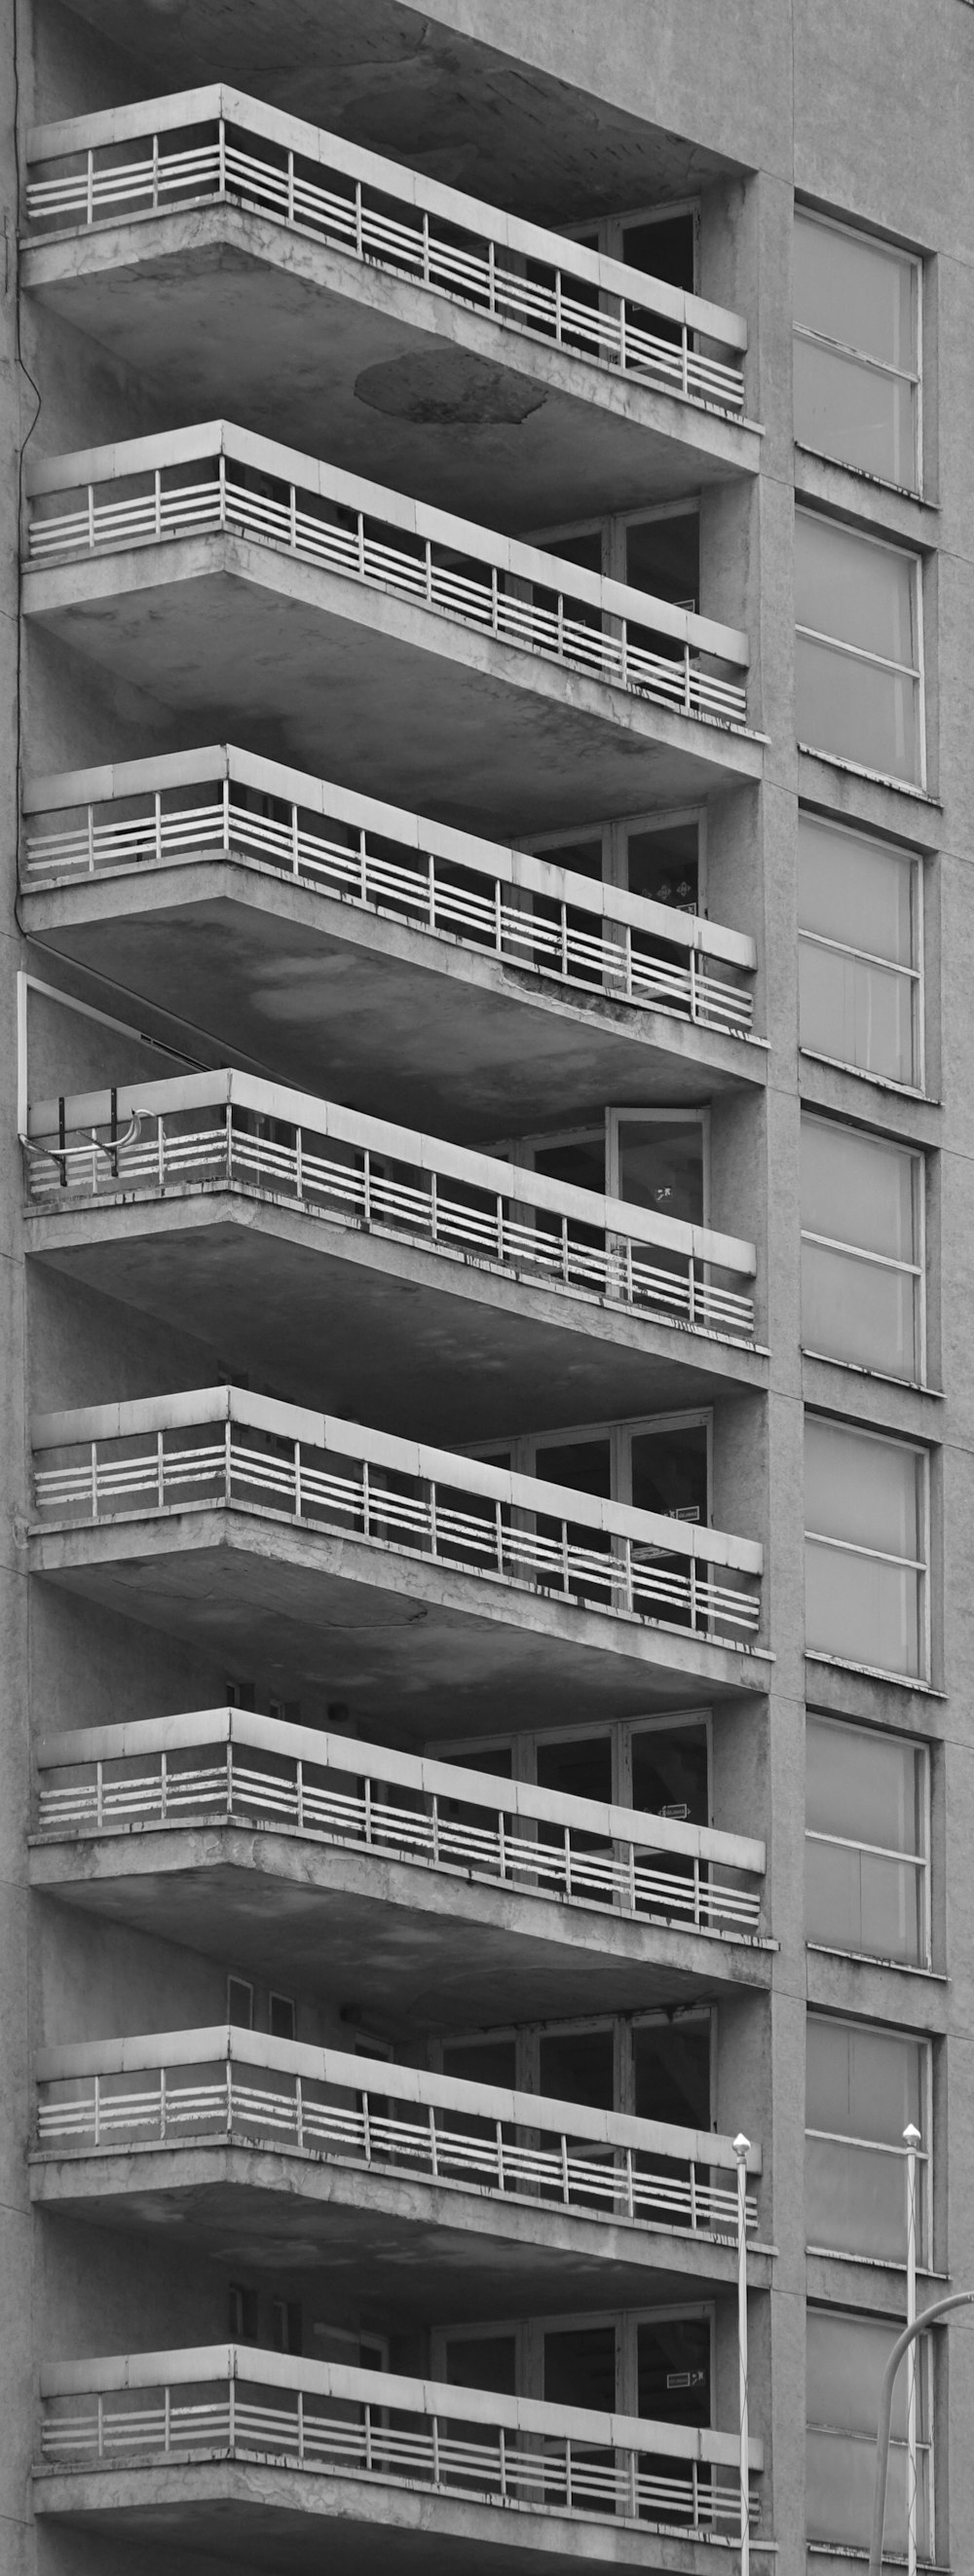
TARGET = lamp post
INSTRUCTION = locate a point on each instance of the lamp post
(940, 2308)
(911, 2141)
(741, 2150)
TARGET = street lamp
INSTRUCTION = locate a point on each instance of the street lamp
(940, 2308)
(906, 2344)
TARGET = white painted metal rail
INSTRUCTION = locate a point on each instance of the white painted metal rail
(227, 1130)
(377, 857)
(216, 145)
(196, 2087)
(232, 1765)
(222, 1446)
(220, 480)
(514, 2452)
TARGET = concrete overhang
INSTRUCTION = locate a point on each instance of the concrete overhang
(280, 2519)
(429, 1344)
(368, 688)
(342, 1001)
(404, 2245)
(409, 1643)
(226, 309)
(415, 1948)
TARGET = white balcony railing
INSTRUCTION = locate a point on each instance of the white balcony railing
(215, 145)
(195, 2087)
(223, 1446)
(232, 1765)
(545, 919)
(230, 1131)
(220, 480)
(513, 2452)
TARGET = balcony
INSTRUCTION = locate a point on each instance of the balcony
(148, 1192)
(193, 236)
(443, 657)
(226, 2133)
(139, 2438)
(267, 1525)
(436, 1888)
(531, 983)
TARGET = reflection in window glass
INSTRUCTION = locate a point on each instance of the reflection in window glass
(857, 661)
(859, 982)
(865, 1548)
(663, 864)
(862, 1278)
(867, 1841)
(857, 388)
(845, 2360)
(863, 2087)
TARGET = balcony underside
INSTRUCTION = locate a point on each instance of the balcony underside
(342, 1002)
(282, 2519)
(404, 2247)
(347, 680)
(230, 311)
(417, 1949)
(405, 1641)
(412, 1341)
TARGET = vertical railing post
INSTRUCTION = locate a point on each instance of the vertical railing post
(97, 2110)
(163, 2105)
(100, 1794)
(221, 158)
(160, 1469)
(90, 195)
(741, 2148)
(911, 2141)
(290, 187)
(434, 2159)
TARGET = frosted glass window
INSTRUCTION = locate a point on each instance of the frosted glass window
(863, 2087)
(845, 2360)
(857, 655)
(859, 952)
(857, 338)
(865, 1548)
(867, 1842)
(862, 1268)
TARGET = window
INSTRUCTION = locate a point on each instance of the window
(281, 2017)
(287, 2332)
(860, 990)
(241, 2313)
(865, 1549)
(858, 676)
(867, 1802)
(846, 2357)
(862, 1250)
(857, 343)
(240, 2003)
(863, 2087)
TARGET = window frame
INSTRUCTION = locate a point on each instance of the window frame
(921, 1861)
(615, 835)
(522, 1449)
(916, 672)
(610, 230)
(619, 1731)
(880, 2147)
(916, 1270)
(527, 2037)
(862, 357)
(529, 2335)
(882, 1556)
(926, 2445)
(915, 974)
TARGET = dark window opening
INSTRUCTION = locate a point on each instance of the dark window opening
(578, 2066)
(670, 1773)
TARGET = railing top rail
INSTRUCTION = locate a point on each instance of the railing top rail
(352, 1127)
(418, 1772)
(404, 1457)
(529, 869)
(534, 241)
(225, 2042)
(209, 439)
(388, 2388)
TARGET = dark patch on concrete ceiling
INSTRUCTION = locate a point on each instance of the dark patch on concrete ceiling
(448, 389)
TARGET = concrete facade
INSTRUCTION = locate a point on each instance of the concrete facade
(143, 1896)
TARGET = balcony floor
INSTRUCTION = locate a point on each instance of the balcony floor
(278, 2519)
(343, 1002)
(417, 1948)
(404, 1641)
(352, 682)
(232, 311)
(435, 1347)
(404, 2246)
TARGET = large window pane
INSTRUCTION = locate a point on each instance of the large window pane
(863, 2086)
(858, 951)
(861, 1282)
(865, 1559)
(846, 2357)
(856, 351)
(857, 652)
(866, 1864)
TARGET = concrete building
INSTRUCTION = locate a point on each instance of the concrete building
(487, 1222)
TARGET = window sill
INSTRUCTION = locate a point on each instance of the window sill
(880, 1081)
(863, 474)
(874, 1673)
(876, 777)
(871, 1959)
(871, 2262)
(878, 1377)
